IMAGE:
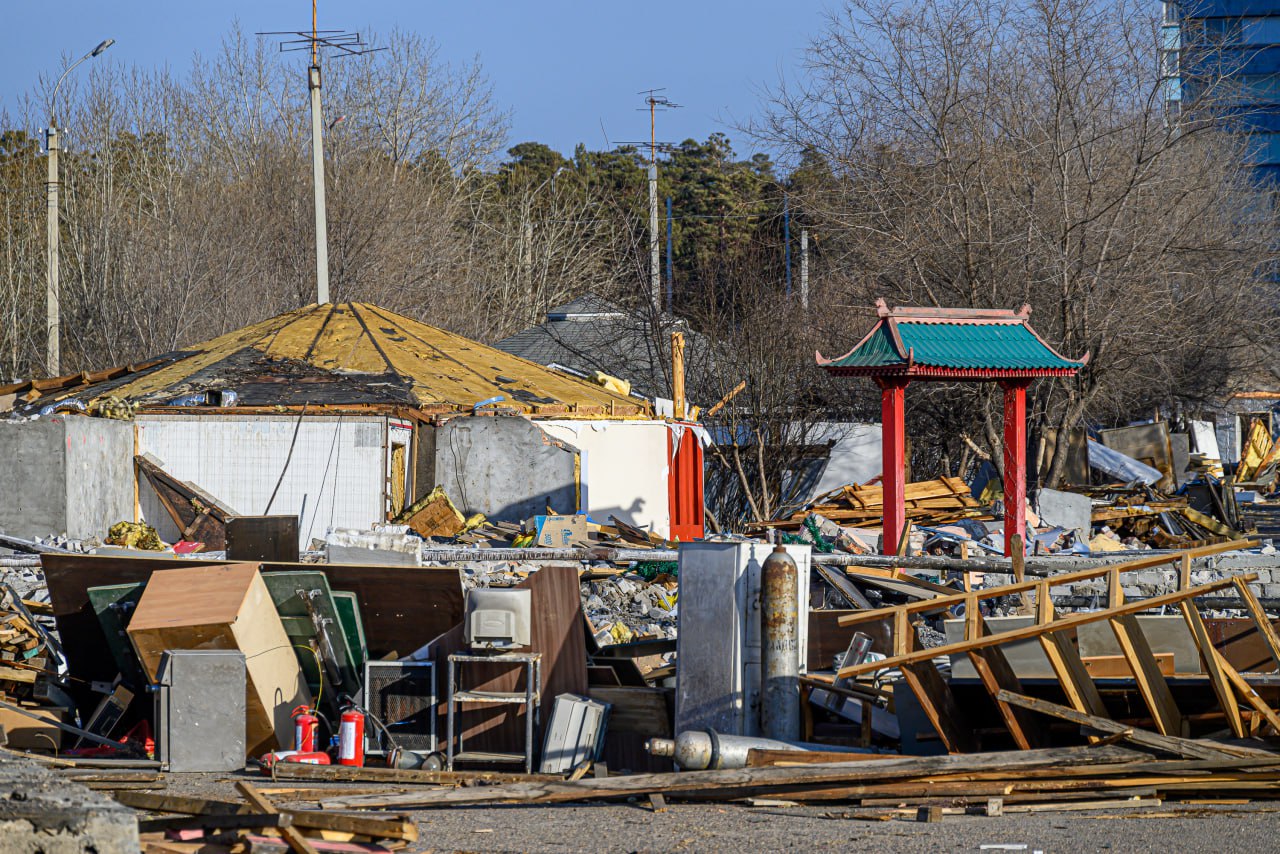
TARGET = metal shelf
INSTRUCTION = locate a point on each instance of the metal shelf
(518, 697)
(530, 697)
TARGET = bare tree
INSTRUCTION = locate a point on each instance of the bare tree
(991, 153)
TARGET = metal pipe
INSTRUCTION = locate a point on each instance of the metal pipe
(1044, 565)
(780, 621)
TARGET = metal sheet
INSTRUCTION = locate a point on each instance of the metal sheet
(200, 710)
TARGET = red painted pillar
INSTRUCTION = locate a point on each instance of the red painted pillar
(893, 396)
(1015, 460)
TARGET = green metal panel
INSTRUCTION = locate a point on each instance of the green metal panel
(113, 605)
(301, 629)
(352, 627)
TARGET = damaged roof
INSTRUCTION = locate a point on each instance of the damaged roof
(952, 343)
(348, 354)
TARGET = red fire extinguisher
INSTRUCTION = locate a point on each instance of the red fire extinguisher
(351, 738)
(305, 725)
(267, 761)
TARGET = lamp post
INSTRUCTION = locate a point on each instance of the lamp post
(53, 301)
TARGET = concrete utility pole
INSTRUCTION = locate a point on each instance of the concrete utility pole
(53, 294)
(655, 272)
(804, 268)
(317, 179)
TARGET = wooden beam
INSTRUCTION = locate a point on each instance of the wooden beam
(260, 803)
(997, 676)
(1075, 680)
(1068, 622)
(1151, 683)
(1246, 692)
(1144, 738)
(1217, 678)
(1259, 617)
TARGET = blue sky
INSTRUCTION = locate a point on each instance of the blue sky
(563, 68)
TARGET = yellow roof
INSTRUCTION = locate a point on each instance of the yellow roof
(358, 353)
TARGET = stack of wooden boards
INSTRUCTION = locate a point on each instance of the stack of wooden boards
(929, 502)
(255, 823)
(1206, 514)
(27, 658)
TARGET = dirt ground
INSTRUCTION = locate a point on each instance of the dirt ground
(1170, 827)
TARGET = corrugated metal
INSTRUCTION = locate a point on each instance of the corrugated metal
(1002, 346)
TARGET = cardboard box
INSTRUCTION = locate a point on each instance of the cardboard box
(560, 531)
(24, 733)
(226, 607)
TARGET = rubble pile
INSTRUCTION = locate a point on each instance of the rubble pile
(623, 608)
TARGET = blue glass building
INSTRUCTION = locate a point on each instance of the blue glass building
(1230, 51)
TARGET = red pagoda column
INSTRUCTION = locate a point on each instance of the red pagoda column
(893, 396)
(1015, 461)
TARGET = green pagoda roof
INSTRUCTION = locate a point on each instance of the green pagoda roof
(941, 343)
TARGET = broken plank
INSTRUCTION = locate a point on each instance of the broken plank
(1260, 620)
(1144, 738)
(260, 803)
(1217, 678)
(347, 773)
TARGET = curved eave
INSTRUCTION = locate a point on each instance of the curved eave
(927, 372)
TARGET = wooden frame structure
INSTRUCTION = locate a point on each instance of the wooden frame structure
(1053, 633)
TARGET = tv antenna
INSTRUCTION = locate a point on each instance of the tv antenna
(339, 44)
(655, 103)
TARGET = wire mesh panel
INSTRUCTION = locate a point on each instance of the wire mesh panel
(402, 695)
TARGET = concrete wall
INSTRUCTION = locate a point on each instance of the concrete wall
(625, 469)
(331, 470)
(65, 474)
(100, 473)
(505, 467)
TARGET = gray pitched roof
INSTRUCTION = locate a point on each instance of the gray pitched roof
(590, 334)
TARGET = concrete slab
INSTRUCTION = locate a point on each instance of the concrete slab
(1068, 509)
(42, 811)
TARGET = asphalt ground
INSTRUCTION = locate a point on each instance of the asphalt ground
(1172, 826)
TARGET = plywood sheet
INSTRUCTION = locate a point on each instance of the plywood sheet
(401, 607)
(556, 632)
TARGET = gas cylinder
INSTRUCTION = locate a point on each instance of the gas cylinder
(351, 738)
(305, 725)
(306, 758)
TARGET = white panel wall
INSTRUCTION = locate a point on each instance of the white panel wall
(855, 457)
(624, 469)
(331, 470)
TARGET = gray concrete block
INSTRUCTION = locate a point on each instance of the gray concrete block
(43, 812)
(1068, 509)
(69, 474)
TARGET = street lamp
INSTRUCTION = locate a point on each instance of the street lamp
(53, 306)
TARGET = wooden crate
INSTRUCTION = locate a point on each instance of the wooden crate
(225, 607)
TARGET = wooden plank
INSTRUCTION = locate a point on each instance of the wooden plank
(1076, 683)
(1246, 692)
(378, 828)
(1170, 744)
(1117, 666)
(940, 706)
(997, 675)
(556, 632)
(1151, 683)
(262, 804)
(760, 758)
(1068, 622)
(1009, 762)
(1217, 678)
(1259, 617)
(370, 774)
